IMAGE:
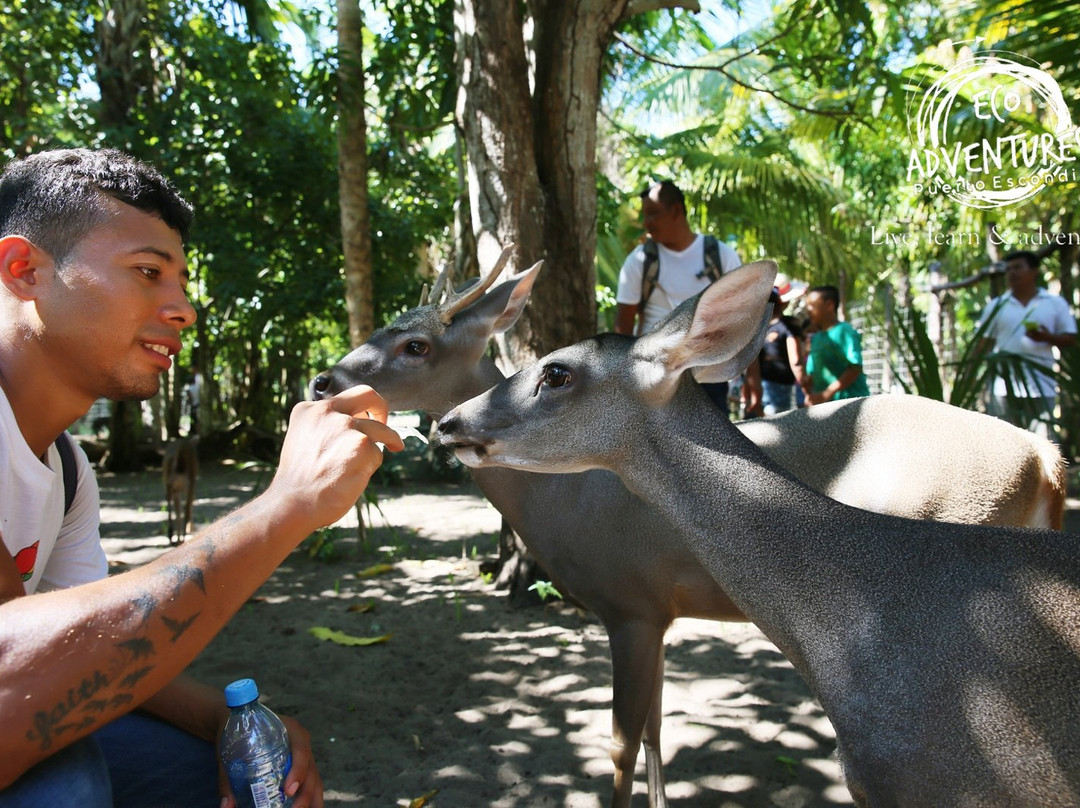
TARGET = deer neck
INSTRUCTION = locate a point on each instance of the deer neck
(763, 536)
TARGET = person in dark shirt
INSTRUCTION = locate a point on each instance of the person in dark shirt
(781, 359)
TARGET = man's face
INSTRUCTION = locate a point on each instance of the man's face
(659, 221)
(818, 309)
(1021, 278)
(113, 312)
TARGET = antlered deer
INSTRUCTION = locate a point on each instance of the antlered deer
(616, 555)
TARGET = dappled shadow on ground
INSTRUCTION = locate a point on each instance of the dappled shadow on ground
(488, 705)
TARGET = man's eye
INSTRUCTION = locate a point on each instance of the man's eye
(150, 272)
(556, 376)
(415, 347)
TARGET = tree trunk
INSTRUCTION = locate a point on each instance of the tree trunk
(124, 68)
(123, 75)
(352, 173)
(494, 112)
(531, 142)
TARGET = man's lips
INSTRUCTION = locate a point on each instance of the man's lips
(163, 348)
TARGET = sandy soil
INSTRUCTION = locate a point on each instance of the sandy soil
(472, 702)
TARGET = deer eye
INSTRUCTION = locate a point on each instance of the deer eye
(556, 376)
(416, 347)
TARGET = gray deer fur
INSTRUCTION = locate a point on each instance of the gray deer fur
(946, 656)
(433, 357)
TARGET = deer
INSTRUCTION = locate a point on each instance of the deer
(179, 471)
(945, 655)
(629, 573)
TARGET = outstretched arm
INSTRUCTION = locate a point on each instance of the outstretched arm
(845, 380)
(75, 659)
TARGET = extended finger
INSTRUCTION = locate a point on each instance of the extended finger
(361, 401)
(379, 432)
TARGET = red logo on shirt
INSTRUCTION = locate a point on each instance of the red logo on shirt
(24, 561)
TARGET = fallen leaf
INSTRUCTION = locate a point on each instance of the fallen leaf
(362, 607)
(341, 638)
(420, 802)
(375, 569)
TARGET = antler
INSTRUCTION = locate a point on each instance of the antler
(455, 302)
(440, 284)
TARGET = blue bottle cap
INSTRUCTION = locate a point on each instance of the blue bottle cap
(241, 692)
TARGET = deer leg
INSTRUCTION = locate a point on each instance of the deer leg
(637, 660)
(189, 500)
(170, 508)
(654, 762)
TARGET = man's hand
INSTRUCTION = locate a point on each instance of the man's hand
(330, 453)
(1038, 334)
(303, 782)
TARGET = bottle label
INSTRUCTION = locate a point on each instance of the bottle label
(263, 781)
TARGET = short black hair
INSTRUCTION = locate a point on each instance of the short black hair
(1027, 256)
(54, 198)
(669, 195)
(829, 293)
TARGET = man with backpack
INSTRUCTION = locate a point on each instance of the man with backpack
(673, 264)
(97, 711)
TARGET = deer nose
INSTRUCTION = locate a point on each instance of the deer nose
(448, 424)
(320, 387)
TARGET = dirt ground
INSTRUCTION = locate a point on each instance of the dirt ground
(468, 701)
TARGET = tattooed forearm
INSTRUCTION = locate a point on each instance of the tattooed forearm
(138, 647)
(134, 677)
(178, 627)
(183, 574)
(48, 725)
(144, 604)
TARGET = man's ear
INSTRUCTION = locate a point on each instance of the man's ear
(20, 264)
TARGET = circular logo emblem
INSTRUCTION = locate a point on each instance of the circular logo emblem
(992, 131)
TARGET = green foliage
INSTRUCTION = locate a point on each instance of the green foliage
(545, 590)
(249, 139)
(787, 127)
(44, 48)
(964, 381)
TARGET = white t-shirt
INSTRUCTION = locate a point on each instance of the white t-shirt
(681, 277)
(51, 550)
(1009, 334)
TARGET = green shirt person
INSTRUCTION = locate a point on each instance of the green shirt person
(834, 361)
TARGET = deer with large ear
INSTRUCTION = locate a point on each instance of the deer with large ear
(946, 656)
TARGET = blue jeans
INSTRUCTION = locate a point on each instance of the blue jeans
(718, 393)
(777, 397)
(134, 762)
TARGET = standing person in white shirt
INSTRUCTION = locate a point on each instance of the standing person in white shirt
(673, 264)
(1031, 322)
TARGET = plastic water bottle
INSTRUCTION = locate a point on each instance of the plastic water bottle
(255, 749)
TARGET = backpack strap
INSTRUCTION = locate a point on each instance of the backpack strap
(713, 266)
(650, 271)
(69, 469)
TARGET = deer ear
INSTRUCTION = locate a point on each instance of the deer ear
(500, 308)
(721, 330)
